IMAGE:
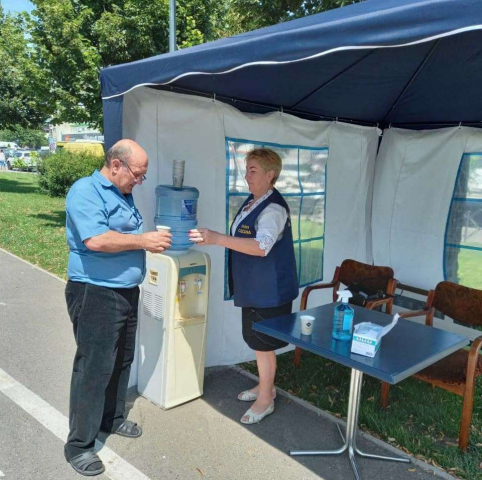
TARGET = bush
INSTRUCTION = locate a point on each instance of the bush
(19, 164)
(59, 171)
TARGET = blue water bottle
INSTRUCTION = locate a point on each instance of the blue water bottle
(343, 318)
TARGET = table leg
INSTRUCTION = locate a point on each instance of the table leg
(349, 443)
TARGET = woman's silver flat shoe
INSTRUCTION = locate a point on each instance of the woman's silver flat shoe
(257, 417)
(248, 396)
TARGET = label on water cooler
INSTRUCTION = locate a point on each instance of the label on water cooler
(188, 209)
(185, 271)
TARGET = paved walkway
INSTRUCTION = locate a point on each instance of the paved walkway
(200, 440)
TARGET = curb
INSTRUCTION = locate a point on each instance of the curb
(328, 416)
(32, 265)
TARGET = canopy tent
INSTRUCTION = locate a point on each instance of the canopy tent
(373, 65)
(379, 61)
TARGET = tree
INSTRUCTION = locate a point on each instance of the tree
(23, 84)
(247, 15)
(24, 136)
(76, 38)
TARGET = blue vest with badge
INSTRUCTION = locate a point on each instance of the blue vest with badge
(269, 281)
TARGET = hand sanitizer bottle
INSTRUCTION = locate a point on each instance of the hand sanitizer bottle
(343, 318)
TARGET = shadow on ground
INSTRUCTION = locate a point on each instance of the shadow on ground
(293, 427)
(17, 186)
(55, 219)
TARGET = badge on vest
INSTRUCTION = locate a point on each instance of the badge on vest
(244, 229)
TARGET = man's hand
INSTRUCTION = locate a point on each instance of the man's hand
(112, 242)
(156, 242)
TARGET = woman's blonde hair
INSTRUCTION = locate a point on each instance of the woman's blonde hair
(268, 159)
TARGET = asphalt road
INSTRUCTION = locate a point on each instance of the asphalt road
(200, 440)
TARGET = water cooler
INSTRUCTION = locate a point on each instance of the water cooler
(173, 307)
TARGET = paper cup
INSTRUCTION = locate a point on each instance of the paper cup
(179, 163)
(163, 228)
(178, 168)
(178, 173)
(177, 181)
(306, 324)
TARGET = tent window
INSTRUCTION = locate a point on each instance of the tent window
(302, 183)
(463, 235)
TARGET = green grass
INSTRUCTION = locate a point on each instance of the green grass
(421, 420)
(470, 268)
(32, 225)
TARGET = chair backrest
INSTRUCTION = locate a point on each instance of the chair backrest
(352, 271)
(462, 304)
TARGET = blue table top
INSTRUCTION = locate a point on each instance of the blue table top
(408, 348)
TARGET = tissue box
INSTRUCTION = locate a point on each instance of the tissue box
(367, 339)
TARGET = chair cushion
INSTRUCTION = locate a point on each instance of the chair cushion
(451, 370)
(463, 304)
(377, 277)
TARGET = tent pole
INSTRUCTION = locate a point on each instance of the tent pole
(317, 89)
(172, 25)
(412, 79)
(468, 123)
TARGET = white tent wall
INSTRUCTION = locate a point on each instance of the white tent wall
(414, 182)
(351, 166)
(174, 126)
(474, 140)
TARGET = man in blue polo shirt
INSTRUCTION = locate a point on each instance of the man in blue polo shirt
(106, 265)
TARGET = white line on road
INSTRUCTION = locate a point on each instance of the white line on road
(1, 474)
(116, 467)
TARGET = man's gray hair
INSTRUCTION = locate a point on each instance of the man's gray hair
(122, 152)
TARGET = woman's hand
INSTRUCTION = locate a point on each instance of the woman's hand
(204, 236)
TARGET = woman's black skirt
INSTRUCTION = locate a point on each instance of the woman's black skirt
(259, 341)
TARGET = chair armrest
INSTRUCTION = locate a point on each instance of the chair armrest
(417, 313)
(309, 289)
(376, 303)
(473, 355)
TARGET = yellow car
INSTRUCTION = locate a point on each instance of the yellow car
(94, 148)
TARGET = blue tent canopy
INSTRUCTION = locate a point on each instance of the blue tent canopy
(411, 62)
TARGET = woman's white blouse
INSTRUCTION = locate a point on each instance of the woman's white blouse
(269, 224)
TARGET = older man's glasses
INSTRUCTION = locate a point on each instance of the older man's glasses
(137, 178)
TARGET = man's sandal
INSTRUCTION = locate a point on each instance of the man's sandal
(249, 396)
(81, 463)
(129, 429)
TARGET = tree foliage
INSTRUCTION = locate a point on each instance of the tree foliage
(24, 136)
(76, 38)
(50, 62)
(247, 15)
(23, 83)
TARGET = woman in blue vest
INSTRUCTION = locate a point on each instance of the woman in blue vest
(262, 269)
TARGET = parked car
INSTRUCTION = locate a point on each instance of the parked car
(83, 146)
(22, 159)
(43, 151)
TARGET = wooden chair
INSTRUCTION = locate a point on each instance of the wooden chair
(457, 372)
(351, 271)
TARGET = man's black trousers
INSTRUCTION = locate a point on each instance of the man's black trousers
(105, 323)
